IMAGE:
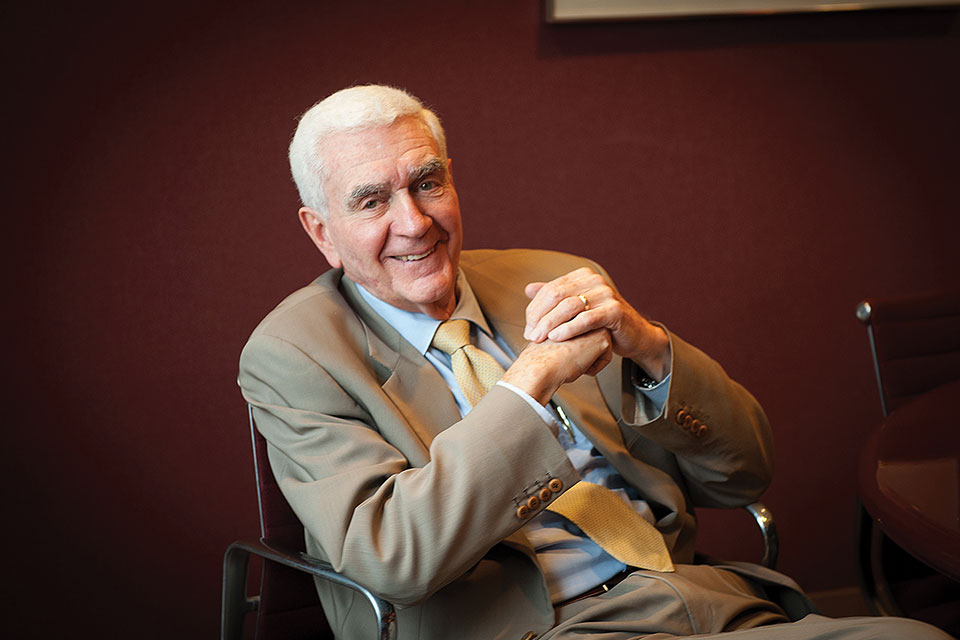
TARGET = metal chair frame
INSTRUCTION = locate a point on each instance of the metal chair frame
(864, 311)
(235, 604)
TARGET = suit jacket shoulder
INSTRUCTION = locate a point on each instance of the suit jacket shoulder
(520, 265)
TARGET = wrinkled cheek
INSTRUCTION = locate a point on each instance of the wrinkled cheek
(369, 249)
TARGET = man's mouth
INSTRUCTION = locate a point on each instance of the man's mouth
(413, 257)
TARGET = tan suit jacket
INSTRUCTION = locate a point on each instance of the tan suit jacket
(401, 494)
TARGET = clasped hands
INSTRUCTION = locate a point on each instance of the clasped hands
(574, 325)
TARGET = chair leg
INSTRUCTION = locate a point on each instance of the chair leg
(234, 604)
(873, 582)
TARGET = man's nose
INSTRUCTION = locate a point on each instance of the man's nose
(408, 218)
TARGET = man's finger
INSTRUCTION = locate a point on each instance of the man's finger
(600, 363)
(565, 311)
(560, 295)
(602, 350)
(544, 301)
(580, 323)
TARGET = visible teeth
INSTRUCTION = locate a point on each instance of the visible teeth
(417, 256)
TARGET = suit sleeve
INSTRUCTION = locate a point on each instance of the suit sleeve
(716, 429)
(404, 531)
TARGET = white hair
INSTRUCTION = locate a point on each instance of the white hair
(350, 109)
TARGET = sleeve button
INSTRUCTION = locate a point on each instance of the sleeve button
(545, 495)
(523, 512)
(533, 502)
(555, 485)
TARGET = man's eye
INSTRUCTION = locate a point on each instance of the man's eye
(428, 185)
(372, 203)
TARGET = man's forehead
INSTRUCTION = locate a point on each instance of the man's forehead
(380, 153)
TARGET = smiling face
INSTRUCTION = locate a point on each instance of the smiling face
(393, 217)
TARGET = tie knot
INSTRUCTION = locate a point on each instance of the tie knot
(452, 335)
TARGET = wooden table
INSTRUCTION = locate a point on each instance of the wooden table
(909, 478)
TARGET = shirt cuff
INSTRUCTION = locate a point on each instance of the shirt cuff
(541, 410)
(657, 394)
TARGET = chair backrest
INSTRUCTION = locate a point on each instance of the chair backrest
(915, 343)
(289, 607)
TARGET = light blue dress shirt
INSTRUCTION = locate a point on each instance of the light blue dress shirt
(572, 563)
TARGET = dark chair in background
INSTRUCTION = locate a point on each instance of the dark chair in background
(915, 342)
(288, 607)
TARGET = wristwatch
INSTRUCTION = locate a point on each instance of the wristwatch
(641, 380)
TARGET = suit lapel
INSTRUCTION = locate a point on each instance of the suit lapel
(408, 376)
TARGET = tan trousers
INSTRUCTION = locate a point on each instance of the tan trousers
(701, 601)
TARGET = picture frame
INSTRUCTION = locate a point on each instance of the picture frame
(559, 11)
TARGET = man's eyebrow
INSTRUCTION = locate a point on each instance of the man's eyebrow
(361, 191)
(434, 166)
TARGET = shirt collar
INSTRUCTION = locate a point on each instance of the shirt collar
(418, 328)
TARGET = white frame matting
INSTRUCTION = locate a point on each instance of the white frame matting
(587, 10)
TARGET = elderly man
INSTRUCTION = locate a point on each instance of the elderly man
(496, 441)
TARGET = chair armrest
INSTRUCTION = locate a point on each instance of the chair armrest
(234, 600)
(768, 531)
(768, 535)
(237, 557)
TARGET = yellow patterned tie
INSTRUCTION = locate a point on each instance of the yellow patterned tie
(475, 370)
(598, 511)
(614, 525)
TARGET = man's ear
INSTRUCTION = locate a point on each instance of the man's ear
(450, 169)
(313, 224)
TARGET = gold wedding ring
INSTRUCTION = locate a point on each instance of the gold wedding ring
(583, 299)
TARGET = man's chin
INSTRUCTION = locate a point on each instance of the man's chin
(438, 294)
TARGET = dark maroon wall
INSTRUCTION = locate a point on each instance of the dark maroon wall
(746, 181)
